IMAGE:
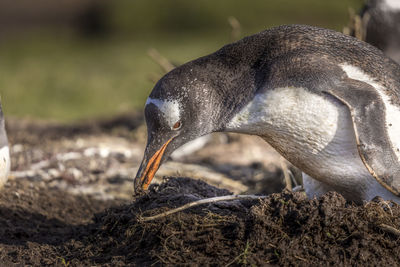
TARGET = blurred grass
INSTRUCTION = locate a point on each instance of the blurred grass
(210, 15)
(67, 80)
(57, 75)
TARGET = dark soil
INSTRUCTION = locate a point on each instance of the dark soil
(43, 225)
(35, 222)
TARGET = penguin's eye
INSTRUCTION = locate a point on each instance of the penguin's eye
(177, 125)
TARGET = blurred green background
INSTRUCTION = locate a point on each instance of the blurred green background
(73, 59)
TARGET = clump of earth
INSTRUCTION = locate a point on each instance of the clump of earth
(70, 203)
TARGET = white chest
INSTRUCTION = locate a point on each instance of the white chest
(294, 118)
(313, 132)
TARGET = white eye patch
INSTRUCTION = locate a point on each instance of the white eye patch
(170, 109)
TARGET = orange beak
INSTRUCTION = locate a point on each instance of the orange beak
(152, 166)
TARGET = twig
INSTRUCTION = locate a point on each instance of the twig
(364, 23)
(243, 254)
(164, 63)
(389, 229)
(300, 258)
(286, 174)
(358, 28)
(236, 27)
(357, 25)
(200, 202)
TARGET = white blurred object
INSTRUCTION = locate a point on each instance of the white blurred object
(4, 165)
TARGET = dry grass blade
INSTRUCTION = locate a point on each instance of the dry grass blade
(286, 174)
(236, 28)
(358, 28)
(357, 25)
(390, 229)
(200, 202)
(164, 63)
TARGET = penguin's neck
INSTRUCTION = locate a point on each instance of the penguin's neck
(218, 87)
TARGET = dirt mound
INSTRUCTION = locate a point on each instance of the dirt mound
(285, 229)
(35, 222)
(40, 227)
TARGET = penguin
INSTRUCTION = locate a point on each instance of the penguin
(381, 24)
(327, 102)
(4, 151)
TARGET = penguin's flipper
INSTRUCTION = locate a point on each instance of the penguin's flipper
(368, 113)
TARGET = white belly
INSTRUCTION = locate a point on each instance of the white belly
(314, 133)
(4, 165)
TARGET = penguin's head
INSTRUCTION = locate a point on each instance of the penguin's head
(179, 109)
